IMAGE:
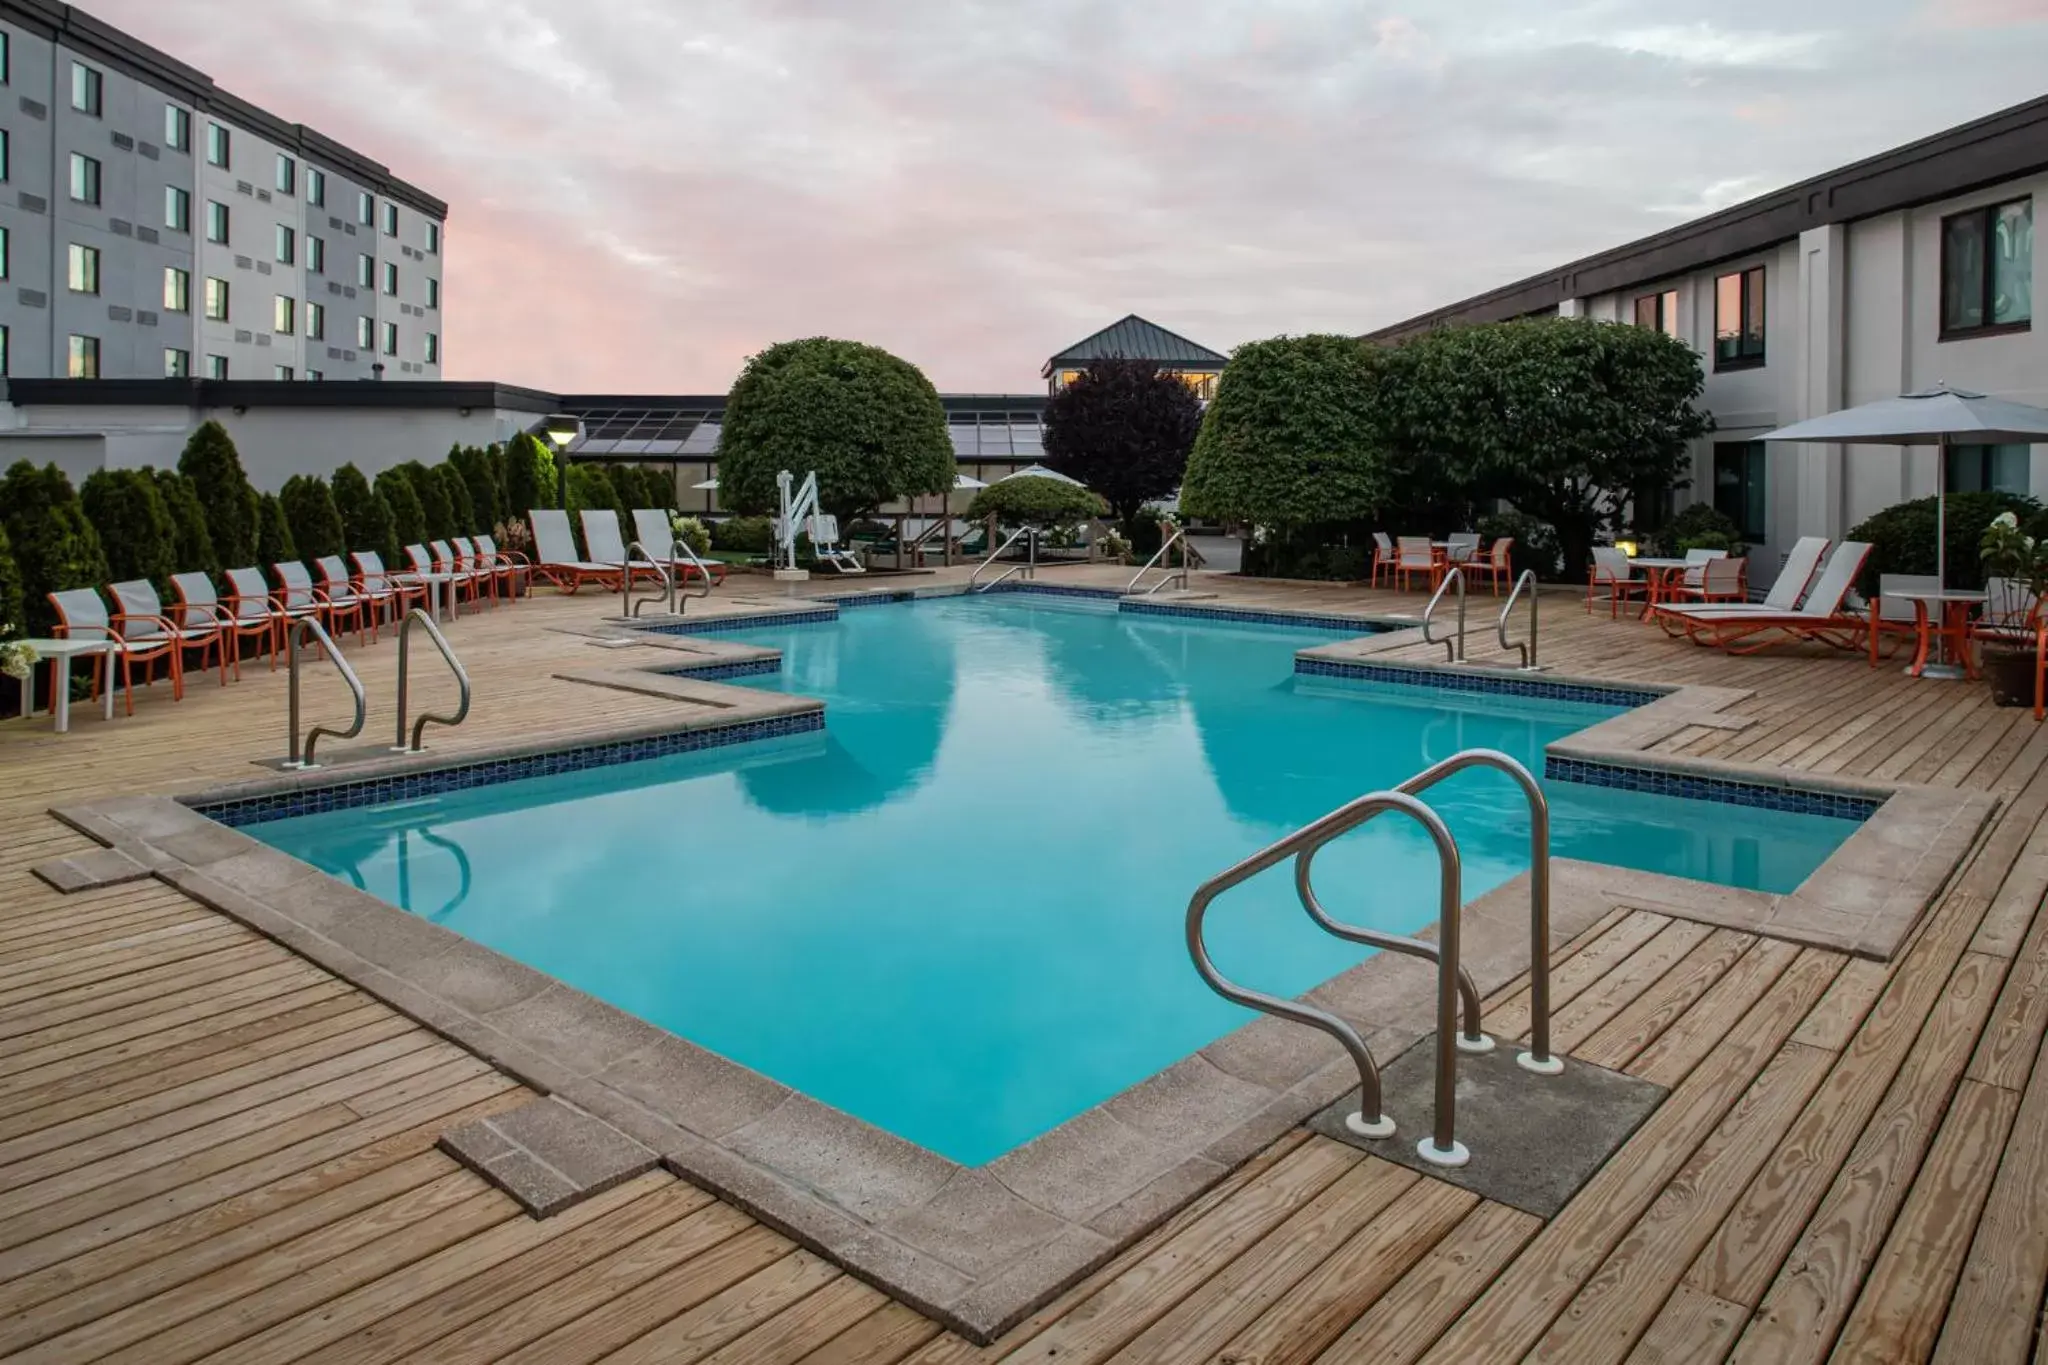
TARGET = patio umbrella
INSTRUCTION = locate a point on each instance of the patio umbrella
(1937, 417)
(708, 483)
(1039, 471)
(967, 481)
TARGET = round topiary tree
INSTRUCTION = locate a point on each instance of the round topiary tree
(365, 516)
(433, 497)
(408, 517)
(314, 520)
(273, 533)
(194, 549)
(54, 546)
(529, 475)
(1124, 428)
(134, 526)
(868, 423)
(224, 491)
(461, 504)
(1036, 501)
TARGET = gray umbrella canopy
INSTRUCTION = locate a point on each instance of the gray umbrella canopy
(1039, 471)
(1937, 417)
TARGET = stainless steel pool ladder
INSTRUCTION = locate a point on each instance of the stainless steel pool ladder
(294, 632)
(1454, 984)
(417, 617)
(1454, 645)
(629, 606)
(1174, 574)
(1029, 568)
(1528, 646)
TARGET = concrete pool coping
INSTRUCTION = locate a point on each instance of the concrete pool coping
(979, 1248)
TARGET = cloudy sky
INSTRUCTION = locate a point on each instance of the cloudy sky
(643, 192)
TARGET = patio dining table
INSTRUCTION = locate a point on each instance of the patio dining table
(1658, 573)
(1949, 638)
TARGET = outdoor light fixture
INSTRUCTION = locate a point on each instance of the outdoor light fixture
(562, 428)
(1627, 547)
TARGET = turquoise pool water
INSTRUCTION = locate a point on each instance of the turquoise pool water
(957, 913)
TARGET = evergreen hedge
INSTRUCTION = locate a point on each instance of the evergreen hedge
(529, 476)
(135, 528)
(10, 590)
(461, 502)
(224, 491)
(54, 546)
(408, 517)
(436, 515)
(273, 533)
(479, 470)
(310, 513)
(365, 516)
(194, 546)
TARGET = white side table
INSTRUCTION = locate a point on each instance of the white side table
(440, 592)
(60, 653)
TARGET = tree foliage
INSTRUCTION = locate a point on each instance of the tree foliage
(1124, 428)
(1293, 435)
(54, 546)
(224, 491)
(437, 515)
(274, 544)
(193, 548)
(135, 528)
(461, 502)
(1035, 501)
(314, 520)
(479, 468)
(10, 589)
(408, 517)
(1902, 536)
(529, 475)
(868, 423)
(366, 522)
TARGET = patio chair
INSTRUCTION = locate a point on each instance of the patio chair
(1415, 555)
(513, 568)
(555, 558)
(656, 536)
(82, 615)
(469, 560)
(397, 591)
(1461, 547)
(1612, 570)
(1785, 594)
(346, 598)
(1384, 557)
(299, 597)
(199, 601)
(1890, 615)
(1717, 579)
(602, 539)
(253, 600)
(464, 579)
(1821, 618)
(143, 618)
(824, 529)
(1499, 563)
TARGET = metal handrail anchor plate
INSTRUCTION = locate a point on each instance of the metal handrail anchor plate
(417, 617)
(294, 633)
(1454, 646)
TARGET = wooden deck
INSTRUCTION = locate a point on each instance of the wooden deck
(209, 1149)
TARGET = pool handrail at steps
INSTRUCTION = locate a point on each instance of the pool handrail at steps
(294, 632)
(417, 617)
(1174, 574)
(1454, 646)
(1029, 568)
(1527, 579)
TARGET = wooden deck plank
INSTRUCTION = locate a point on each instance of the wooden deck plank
(881, 1338)
(1405, 1321)
(813, 1321)
(1623, 1037)
(735, 1311)
(1692, 1328)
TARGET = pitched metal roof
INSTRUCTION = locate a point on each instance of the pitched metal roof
(1137, 339)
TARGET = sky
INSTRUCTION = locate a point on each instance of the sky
(644, 192)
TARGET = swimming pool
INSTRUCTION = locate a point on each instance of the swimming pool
(956, 913)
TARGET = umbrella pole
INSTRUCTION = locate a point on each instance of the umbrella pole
(1941, 515)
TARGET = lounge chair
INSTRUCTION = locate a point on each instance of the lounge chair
(607, 546)
(199, 601)
(1612, 570)
(555, 557)
(1784, 596)
(1819, 618)
(824, 529)
(296, 590)
(656, 536)
(82, 615)
(143, 619)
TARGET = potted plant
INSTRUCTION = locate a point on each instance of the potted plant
(2012, 609)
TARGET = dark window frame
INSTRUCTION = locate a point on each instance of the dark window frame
(1663, 311)
(1985, 459)
(1986, 215)
(1755, 468)
(1743, 359)
(88, 90)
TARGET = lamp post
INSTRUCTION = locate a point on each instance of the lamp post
(562, 429)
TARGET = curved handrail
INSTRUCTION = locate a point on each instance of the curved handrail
(1527, 647)
(1013, 538)
(629, 608)
(1473, 1038)
(1369, 1121)
(689, 553)
(1537, 1058)
(293, 633)
(1454, 649)
(1179, 574)
(412, 616)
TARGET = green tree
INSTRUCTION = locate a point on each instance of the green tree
(1124, 428)
(869, 424)
(408, 517)
(461, 507)
(135, 528)
(194, 549)
(433, 497)
(274, 543)
(314, 520)
(1036, 501)
(224, 491)
(529, 475)
(590, 489)
(1568, 419)
(10, 589)
(479, 470)
(366, 522)
(54, 546)
(1293, 436)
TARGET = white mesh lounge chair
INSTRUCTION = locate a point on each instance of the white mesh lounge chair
(651, 528)
(1785, 594)
(555, 557)
(1820, 617)
(82, 615)
(824, 530)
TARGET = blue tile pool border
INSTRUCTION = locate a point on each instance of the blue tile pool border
(1697, 787)
(712, 625)
(1445, 680)
(1348, 625)
(712, 672)
(374, 791)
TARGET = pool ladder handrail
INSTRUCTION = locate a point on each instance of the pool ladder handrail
(1454, 646)
(1173, 574)
(1029, 568)
(629, 607)
(415, 616)
(1527, 647)
(295, 758)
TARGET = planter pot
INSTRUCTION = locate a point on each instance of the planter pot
(2010, 673)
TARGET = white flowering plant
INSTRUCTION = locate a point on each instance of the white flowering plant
(2013, 555)
(691, 531)
(18, 658)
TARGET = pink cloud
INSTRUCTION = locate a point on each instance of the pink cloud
(1987, 13)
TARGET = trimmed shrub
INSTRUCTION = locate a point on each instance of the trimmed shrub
(224, 491)
(135, 528)
(529, 475)
(1145, 529)
(365, 517)
(54, 546)
(692, 531)
(658, 487)
(589, 488)
(309, 511)
(1901, 537)
(1698, 527)
(1535, 544)
(479, 469)
(10, 590)
(462, 519)
(743, 535)
(1335, 551)
(1037, 502)
(438, 517)
(273, 533)
(194, 549)
(408, 517)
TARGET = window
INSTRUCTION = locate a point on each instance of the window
(1739, 487)
(287, 245)
(391, 277)
(85, 179)
(390, 219)
(316, 321)
(366, 208)
(1987, 269)
(366, 333)
(6, 254)
(433, 349)
(284, 316)
(434, 238)
(281, 372)
(316, 186)
(177, 209)
(1989, 469)
(4, 348)
(85, 358)
(287, 175)
(216, 367)
(216, 300)
(366, 272)
(1659, 312)
(218, 150)
(85, 93)
(85, 269)
(177, 290)
(216, 221)
(390, 346)
(6, 58)
(316, 255)
(433, 293)
(6, 154)
(177, 363)
(1739, 320)
(178, 137)
(315, 376)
